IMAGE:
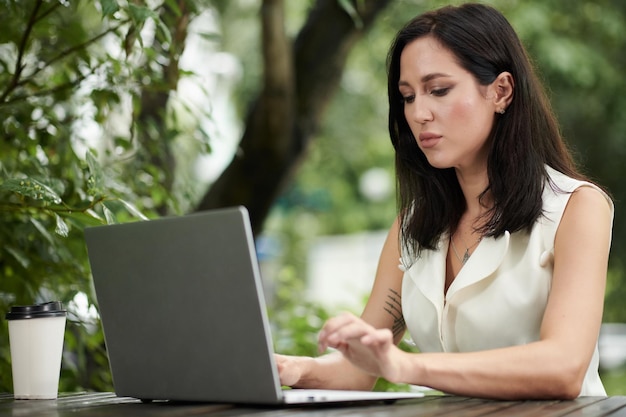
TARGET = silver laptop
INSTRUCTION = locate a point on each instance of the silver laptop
(184, 315)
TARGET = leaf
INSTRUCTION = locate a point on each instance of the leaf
(133, 210)
(164, 29)
(109, 7)
(32, 188)
(348, 7)
(41, 228)
(210, 36)
(93, 214)
(108, 215)
(129, 39)
(95, 182)
(140, 14)
(61, 228)
(19, 256)
(173, 4)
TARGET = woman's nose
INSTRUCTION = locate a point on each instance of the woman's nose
(420, 112)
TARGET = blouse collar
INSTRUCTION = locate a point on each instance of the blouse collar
(429, 271)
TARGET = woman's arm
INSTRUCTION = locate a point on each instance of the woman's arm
(553, 367)
(382, 311)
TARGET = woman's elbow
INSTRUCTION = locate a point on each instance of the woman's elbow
(566, 382)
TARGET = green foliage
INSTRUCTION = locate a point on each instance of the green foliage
(295, 320)
(89, 135)
(67, 70)
(615, 381)
(614, 311)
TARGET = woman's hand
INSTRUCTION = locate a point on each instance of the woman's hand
(289, 369)
(370, 349)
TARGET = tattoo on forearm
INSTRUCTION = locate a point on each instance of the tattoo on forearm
(393, 306)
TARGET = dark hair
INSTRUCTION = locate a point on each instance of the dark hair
(523, 140)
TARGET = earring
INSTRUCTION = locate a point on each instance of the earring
(501, 111)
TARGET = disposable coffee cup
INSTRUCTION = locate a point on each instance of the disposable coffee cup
(36, 339)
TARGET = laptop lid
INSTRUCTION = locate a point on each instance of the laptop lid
(184, 316)
(182, 309)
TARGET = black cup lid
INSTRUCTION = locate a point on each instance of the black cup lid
(49, 309)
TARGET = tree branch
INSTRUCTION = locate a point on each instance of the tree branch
(64, 208)
(321, 50)
(278, 87)
(70, 51)
(17, 82)
(55, 89)
(47, 12)
(19, 67)
(264, 164)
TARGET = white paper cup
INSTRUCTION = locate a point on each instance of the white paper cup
(36, 339)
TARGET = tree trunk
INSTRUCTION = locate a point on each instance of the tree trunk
(299, 81)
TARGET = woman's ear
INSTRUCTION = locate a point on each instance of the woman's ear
(503, 86)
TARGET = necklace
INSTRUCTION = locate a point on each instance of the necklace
(467, 253)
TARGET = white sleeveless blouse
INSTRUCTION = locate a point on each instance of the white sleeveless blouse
(499, 296)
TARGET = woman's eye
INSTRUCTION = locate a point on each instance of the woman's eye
(439, 92)
(408, 99)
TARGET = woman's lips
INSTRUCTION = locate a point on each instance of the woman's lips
(428, 140)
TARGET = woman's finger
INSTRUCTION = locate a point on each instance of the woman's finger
(351, 329)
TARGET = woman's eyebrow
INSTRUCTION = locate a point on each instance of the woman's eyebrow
(426, 78)
(434, 75)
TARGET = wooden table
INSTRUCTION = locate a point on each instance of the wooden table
(107, 404)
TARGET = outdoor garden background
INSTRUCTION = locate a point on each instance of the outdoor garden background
(116, 111)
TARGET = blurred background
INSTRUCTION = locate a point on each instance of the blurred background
(115, 111)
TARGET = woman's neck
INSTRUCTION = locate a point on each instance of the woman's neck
(473, 185)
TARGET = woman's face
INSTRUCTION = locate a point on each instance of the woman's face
(448, 111)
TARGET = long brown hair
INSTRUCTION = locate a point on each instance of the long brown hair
(523, 140)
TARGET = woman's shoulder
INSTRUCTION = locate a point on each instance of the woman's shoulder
(560, 188)
(589, 200)
(579, 198)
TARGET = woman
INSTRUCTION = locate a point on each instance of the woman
(503, 245)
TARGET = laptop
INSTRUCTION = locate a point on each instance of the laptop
(184, 315)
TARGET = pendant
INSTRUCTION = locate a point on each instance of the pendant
(466, 256)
